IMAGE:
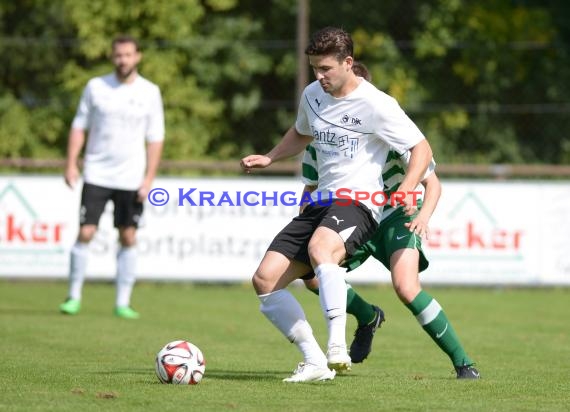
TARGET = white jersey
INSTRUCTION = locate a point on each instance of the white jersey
(352, 137)
(120, 118)
(392, 175)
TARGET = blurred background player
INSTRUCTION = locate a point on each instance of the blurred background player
(123, 112)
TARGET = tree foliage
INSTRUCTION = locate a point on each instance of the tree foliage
(486, 81)
(199, 54)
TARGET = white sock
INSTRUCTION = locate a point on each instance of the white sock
(126, 265)
(286, 314)
(332, 295)
(77, 267)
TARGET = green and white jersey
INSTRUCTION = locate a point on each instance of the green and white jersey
(394, 170)
(352, 138)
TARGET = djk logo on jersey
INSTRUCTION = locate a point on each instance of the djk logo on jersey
(354, 121)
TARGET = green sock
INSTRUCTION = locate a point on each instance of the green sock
(433, 320)
(356, 306)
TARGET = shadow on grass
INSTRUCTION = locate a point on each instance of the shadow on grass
(244, 375)
(54, 313)
(133, 371)
(210, 374)
(30, 310)
(251, 375)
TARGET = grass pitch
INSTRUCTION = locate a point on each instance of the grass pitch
(94, 361)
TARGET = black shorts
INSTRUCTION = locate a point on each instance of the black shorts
(354, 223)
(127, 209)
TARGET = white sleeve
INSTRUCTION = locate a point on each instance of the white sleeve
(302, 123)
(430, 169)
(155, 126)
(82, 118)
(395, 127)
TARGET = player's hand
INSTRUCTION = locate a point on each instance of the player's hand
(254, 162)
(409, 204)
(71, 176)
(419, 226)
(410, 209)
(142, 193)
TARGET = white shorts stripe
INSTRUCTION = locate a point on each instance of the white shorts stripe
(429, 313)
(345, 234)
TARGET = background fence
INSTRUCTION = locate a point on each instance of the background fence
(482, 233)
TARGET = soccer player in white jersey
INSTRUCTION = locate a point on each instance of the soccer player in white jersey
(123, 113)
(353, 125)
(397, 244)
(368, 316)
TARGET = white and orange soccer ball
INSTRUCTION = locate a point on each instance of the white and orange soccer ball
(180, 362)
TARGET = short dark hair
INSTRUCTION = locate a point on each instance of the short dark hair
(330, 41)
(361, 70)
(125, 38)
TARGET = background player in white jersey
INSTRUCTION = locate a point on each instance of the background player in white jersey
(124, 116)
(397, 244)
(353, 125)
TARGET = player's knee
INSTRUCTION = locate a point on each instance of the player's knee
(320, 247)
(315, 253)
(85, 238)
(127, 237)
(325, 253)
(254, 281)
(86, 233)
(311, 284)
(127, 242)
(260, 283)
(406, 292)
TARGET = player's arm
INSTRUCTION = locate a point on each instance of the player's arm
(75, 143)
(309, 175)
(76, 140)
(153, 154)
(306, 189)
(291, 144)
(420, 158)
(154, 137)
(420, 224)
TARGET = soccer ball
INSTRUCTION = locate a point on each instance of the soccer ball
(181, 363)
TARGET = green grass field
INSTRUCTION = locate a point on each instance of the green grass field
(93, 361)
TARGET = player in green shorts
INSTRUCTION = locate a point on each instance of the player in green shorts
(397, 244)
